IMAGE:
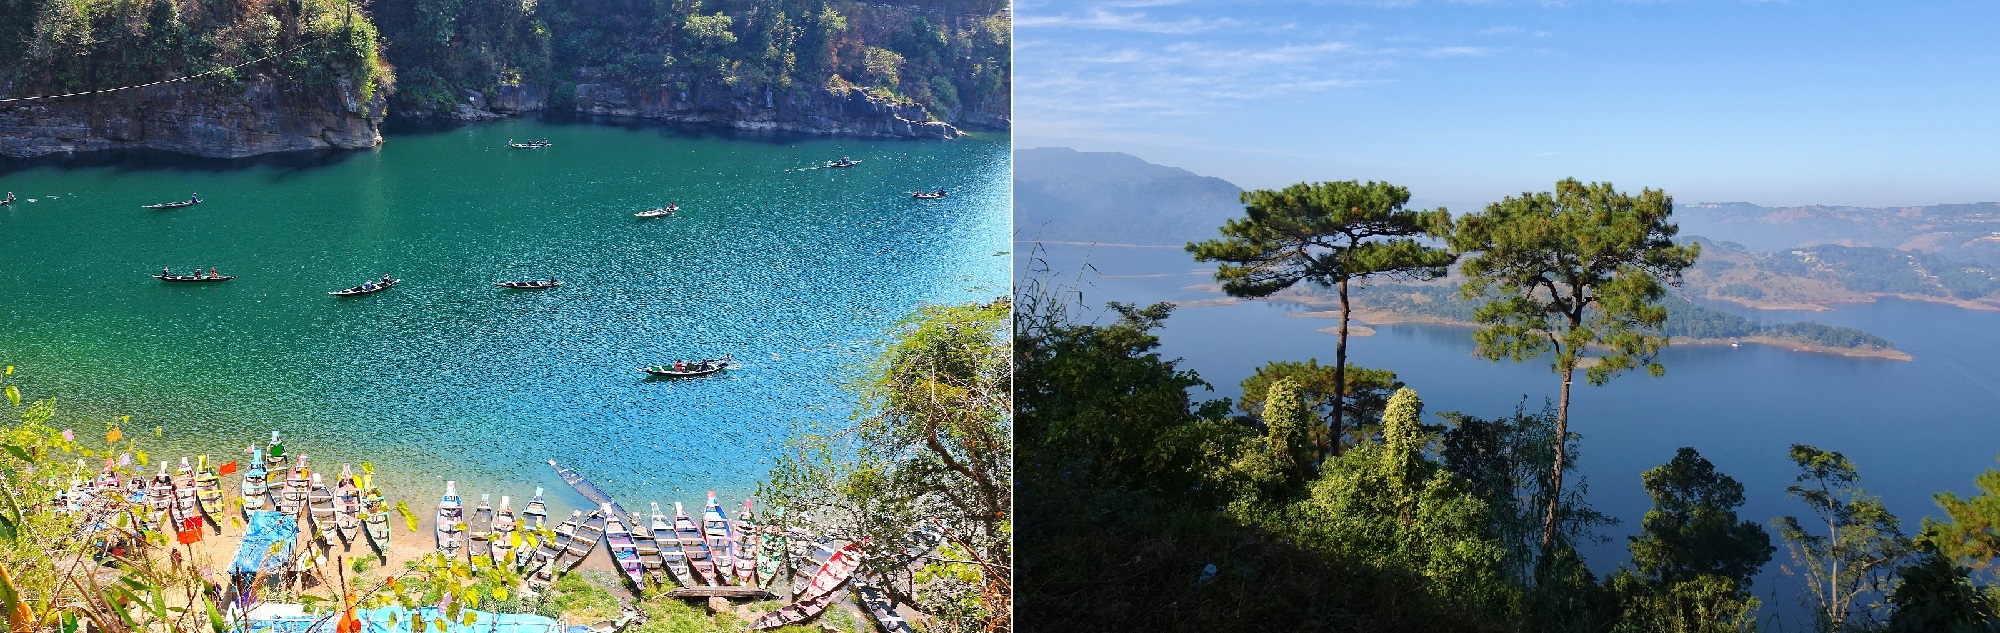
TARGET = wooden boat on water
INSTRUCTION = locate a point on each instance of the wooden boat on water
(838, 568)
(503, 533)
(191, 201)
(693, 547)
(588, 535)
(624, 550)
(691, 370)
(746, 546)
(647, 545)
(256, 491)
(770, 557)
(367, 287)
(528, 285)
(721, 539)
(793, 613)
(208, 492)
(884, 612)
(193, 278)
(186, 505)
(843, 162)
(546, 561)
(450, 527)
(325, 524)
(927, 195)
(536, 514)
(292, 498)
(659, 212)
(160, 500)
(9, 200)
(347, 507)
(529, 144)
(479, 531)
(587, 489)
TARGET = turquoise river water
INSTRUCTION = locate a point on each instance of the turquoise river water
(798, 272)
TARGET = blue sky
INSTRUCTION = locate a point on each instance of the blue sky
(1775, 103)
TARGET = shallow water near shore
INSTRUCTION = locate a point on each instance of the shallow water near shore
(799, 272)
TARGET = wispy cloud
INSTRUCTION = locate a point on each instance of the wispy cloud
(1107, 19)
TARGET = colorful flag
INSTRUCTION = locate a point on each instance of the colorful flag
(347, 622)
(227, 468)
(69, 435)
(114, 435)
(190, 531)
(124, 459)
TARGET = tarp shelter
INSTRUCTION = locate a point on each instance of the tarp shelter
(275, 618)
(267, 529)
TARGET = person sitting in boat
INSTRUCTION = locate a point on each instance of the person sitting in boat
(166, 271)
(386, 280)
(194, 197)
(211, 272)
(367, 285)
(678, 366)
(552, 280)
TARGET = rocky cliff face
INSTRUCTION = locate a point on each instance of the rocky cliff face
(249, 118)
(850, 111)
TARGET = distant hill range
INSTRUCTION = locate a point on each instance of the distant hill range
(1063, 195)
(1969, 232)
(1814, 276)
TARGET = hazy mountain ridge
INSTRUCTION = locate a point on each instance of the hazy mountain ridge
(1063, 195)
(1968, 231)
(1813, 276)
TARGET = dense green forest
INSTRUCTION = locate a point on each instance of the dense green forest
(60, 46)
(1684, 318)
(951, 57)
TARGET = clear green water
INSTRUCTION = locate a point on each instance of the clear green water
(798, 272)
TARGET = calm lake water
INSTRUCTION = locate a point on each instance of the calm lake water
(798, 272)
(1912, 428)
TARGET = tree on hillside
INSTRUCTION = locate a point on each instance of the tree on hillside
(1367, 392)
(1567, 270)
(1694, 559)
(1853, 544)
(1329, 234)
(1935, 595)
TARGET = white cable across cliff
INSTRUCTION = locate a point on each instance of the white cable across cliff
(164, 81)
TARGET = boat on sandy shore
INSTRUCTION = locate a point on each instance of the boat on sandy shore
(320, 499)
(745, 534)
(647, 545)
(588, 535)
(479, 531)
(208, 492)
(377, 509)
(256, 491)
(694, 547)
(347, 507)
(838, 568)
(721, 538)
(793, 613)
(503, 533)
(450, 522)
(671, 556)
(882, 610)
(624, 551)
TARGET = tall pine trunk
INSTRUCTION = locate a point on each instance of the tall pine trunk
(1556, 476)
(1334, 426)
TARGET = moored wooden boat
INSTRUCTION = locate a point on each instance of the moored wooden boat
(694, 547)
(671, 557)
(322, 511)
(193, 278)
(536, 514)
(256, 490)
(160, 501)
(721, 539)
(884, 613)
(588, 535)
(624, 550)
(691, 370)
(646, 545)
(746, 546)
(770, 557)
(927, 195)
(368, 287)
(658, 212)
(292, 497)
(793, 613)
(587, 489)
(347, 507)
(837, 569)
(377, 509)
(186, 504)
(208, 492)
(450, 527)
(528, 285)
(479, 532)
(503, 533)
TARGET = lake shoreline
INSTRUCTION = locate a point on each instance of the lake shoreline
(1385, 317)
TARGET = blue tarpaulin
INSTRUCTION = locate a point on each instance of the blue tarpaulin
(397, 620)
(267, 528)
